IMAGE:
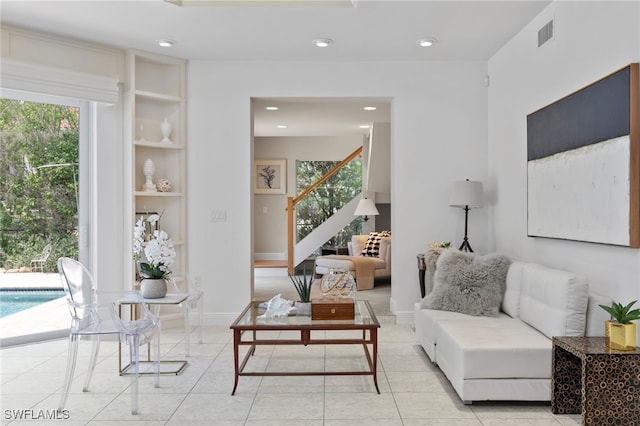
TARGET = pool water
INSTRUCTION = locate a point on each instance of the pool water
(12, 301)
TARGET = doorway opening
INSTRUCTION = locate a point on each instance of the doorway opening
(295, 130)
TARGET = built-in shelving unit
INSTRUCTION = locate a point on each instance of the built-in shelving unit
(155, 91)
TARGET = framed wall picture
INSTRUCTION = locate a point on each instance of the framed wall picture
(270, 176)
(583, 163)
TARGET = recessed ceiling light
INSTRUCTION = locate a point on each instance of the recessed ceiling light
(281, 126)
(426, 42)
(271, 108)
(365, 126)
(166, 42)
(322, 42)
(370, 108)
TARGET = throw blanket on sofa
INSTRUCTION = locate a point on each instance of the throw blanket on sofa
(364, 267)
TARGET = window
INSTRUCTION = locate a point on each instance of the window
(44, 187)
(328, 198)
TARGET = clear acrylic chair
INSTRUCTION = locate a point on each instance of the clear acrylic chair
(100, 320)
(193, 303)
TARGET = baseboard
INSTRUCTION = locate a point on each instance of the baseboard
(402, 317)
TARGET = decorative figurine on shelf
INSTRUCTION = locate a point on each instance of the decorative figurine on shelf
(141, 132)
(149, 169)
(163, 185)
(165, 128)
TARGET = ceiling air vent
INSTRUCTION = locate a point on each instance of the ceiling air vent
(545, 33)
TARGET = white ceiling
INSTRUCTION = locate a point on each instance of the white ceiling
(318, 116)
(372, 30)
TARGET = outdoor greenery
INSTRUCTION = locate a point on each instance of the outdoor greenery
(327, 198)
(38, 182)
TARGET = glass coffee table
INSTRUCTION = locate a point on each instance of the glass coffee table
(248, 326)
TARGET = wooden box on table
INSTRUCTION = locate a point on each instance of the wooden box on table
(332, 309)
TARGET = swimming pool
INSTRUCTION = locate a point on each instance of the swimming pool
(12, 301)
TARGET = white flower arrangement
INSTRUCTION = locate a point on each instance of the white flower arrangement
(440, 244)
(159, 252)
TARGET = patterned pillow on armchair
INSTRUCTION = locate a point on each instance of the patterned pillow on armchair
(372, 246)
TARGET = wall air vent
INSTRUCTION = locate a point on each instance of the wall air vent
(545, 33)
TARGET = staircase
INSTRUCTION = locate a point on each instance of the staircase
(298, 252)
(324, 232)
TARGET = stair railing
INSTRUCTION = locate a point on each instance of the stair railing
(292, 201)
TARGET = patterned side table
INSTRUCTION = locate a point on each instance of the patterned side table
(600, 383)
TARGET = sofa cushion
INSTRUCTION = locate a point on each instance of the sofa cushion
(554, 301)
(596, 316)
(372, 245)
(496, 348)
(467, 283)
(425, 321)
(511, 300)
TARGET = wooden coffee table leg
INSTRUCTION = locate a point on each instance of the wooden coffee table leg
(236, 343)
(253, 347)
(373, 333)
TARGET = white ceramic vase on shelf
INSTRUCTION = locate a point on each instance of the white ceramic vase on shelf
(153, 288)
(149, 170)
(165, 128)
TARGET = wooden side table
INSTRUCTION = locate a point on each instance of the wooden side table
(422, 269)
(601, 383)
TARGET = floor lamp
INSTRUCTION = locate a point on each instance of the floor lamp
(467, 195)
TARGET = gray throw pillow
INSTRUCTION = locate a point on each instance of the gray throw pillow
(468, 283)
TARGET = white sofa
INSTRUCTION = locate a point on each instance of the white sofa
(381, 263)
(508, 357)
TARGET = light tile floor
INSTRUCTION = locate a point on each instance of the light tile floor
(413, 391)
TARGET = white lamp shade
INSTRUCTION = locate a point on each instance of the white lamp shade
(466, 193)
(366, 207)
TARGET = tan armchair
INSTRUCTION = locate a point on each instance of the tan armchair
(379, 266)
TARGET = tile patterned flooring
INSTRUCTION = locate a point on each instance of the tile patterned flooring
(413, 391)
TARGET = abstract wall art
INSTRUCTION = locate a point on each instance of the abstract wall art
(583, 164)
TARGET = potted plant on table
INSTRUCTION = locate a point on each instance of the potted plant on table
(303, 287)
(620, 333)
(159, 254)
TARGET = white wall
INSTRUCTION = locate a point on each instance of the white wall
(271, 226)
(439, 127)
(524, 79)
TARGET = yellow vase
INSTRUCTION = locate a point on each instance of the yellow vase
(621, 337)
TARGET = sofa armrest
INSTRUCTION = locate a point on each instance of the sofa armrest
(387, 257)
